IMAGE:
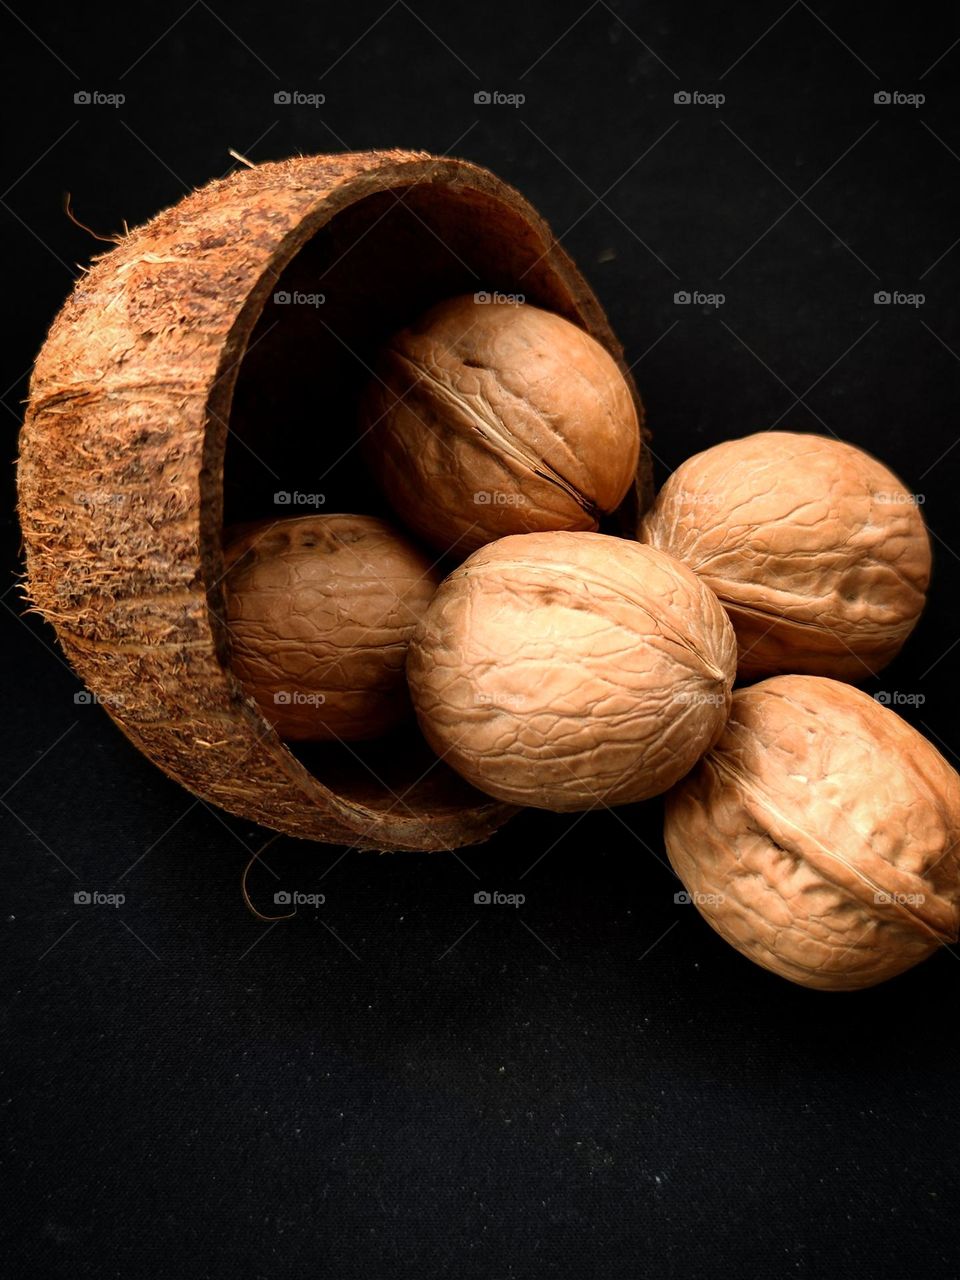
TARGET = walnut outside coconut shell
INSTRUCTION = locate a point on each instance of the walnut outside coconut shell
(820, 835)
(566, 670)
(817, 551)
(490, 418)
(320, 611)
(132, 402)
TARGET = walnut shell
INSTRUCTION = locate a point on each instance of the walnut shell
(819, 836)
(320, 610)
(817, 551)
(488, 418)
(566, 670)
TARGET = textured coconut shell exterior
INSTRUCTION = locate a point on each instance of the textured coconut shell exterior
(121, 479)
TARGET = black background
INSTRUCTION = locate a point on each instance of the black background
(402, 1082)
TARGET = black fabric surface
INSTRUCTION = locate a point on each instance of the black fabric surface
(400, 1082)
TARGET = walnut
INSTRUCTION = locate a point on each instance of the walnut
(817, 551)
(820, 835)
(487, 419)
(320, 610)
(565, 670)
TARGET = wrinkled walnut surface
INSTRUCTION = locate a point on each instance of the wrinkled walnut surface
(320, 610)
(487, 419)
(817, 551)
(565, 670)
(819, 836)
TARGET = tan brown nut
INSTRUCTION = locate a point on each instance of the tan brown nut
(320, 610)
(817, 551)
(820, 835)
(567, 670)
(490, 418)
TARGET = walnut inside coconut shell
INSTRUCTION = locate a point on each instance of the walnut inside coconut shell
(320, 611)
(486, 419)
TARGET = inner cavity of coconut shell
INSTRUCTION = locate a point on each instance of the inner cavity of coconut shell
(369, 271)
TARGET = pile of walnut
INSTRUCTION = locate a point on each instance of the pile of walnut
(561, 668)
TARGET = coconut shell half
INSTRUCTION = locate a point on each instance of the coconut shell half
(201, 365)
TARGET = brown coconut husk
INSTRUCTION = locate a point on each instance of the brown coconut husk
(162, 352)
